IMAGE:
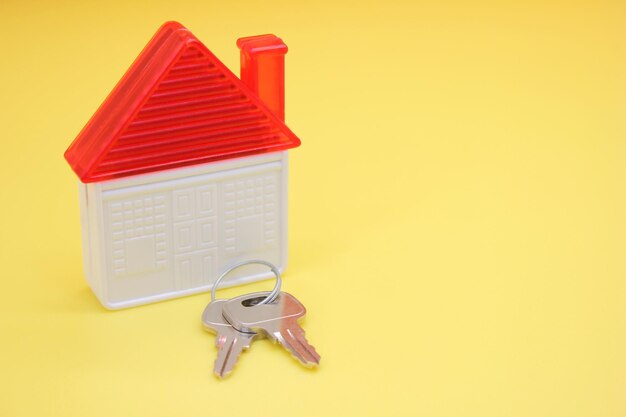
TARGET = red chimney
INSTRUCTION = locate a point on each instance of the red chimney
(263, 69)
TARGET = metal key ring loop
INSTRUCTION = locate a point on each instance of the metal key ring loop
(270, 297)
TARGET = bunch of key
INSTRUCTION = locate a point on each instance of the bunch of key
(240, 320)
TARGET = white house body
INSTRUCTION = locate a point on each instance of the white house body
(167, 234)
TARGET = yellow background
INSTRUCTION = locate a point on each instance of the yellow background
(456, 213)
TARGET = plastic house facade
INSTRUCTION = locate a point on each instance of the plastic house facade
(183, 171)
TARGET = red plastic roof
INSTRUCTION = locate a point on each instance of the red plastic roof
(177, 105)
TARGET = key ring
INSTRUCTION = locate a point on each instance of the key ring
(270, 297)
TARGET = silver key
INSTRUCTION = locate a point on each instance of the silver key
(278, 320)
(230, 342)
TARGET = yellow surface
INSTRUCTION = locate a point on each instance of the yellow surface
(456, 214)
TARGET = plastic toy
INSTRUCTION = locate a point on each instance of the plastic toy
(183, 171)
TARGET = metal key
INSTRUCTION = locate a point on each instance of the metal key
(278, 320)
(228, 340)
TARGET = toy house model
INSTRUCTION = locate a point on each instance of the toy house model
(183, 171)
